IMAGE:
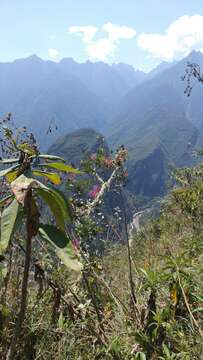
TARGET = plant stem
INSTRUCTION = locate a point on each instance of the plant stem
(94, 303)
(188, 307)
(131, 283)
(24, 291)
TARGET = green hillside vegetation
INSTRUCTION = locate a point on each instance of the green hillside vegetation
(60, 300)
(72, 147)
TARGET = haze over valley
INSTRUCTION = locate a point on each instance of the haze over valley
(148, 113)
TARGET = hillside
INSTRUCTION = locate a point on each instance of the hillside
(160, 126)
(148, 113)
(60, 299)
(78, 144)
(75, 281)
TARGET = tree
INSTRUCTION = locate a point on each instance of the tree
(193, 71)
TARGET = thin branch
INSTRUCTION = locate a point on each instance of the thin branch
(188, 307)
(106, 185)
(24, 291)
(98, 177)
(131, 282)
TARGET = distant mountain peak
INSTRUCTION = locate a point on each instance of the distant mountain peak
(195, 56)
(68, 60)
(35, 57)
(32, 59)
(164, 65)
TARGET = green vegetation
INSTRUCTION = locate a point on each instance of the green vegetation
(60, 297)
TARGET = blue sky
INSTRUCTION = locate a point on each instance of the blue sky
(142, 33)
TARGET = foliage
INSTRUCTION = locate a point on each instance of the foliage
(90, 313)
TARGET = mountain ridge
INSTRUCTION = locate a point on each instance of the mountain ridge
(150, 115)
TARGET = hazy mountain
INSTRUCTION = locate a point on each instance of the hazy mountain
(67, 94)
(149, 113)
(74, 146)
(109, 83)
(160, 126)
(164, 65)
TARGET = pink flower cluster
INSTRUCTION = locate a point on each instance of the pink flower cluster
(93, 157)
(94, 191)
(76, 243)
(108, 162)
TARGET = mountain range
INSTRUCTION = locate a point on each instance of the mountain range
(65, 95)
(160, 126)
(148, 113)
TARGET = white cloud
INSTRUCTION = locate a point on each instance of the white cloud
(104, 47)
(53, 53)
(116, 33)
(101, 49)
(182, 36)
(87, 32)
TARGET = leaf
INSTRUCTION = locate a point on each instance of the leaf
(53, 235)
(53, 177)
(49, 157)
(61, 244)
(8, 170)
(9, 161)
(4, 200)
(142, 356)
(174, 295)
(61, 167)
(8, 221)
(69, 260)
(200, 309)
(54, 198)
(26, 148)
(57, 203)
(11, 176)
(67, 211)
(21, 185)
(166, 351)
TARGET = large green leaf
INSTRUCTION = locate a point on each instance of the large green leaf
(8, 170)
(53, 177)
(56, 237)
(49, 157)
(62, 245)
(8, 222)
(57, 204)
(67, 210)
(54, 198)
(61, 167)
(69, 260)
(21, 185)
